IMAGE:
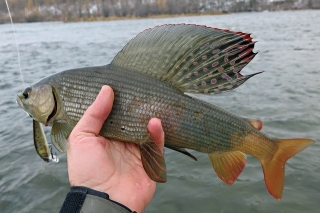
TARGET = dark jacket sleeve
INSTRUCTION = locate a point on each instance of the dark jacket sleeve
(85, 200)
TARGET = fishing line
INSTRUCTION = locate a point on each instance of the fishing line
(17, 46)
(54, 159)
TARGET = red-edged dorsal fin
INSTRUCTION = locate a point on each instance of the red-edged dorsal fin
(192, 58)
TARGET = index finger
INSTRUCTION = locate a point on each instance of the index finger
(94, 117)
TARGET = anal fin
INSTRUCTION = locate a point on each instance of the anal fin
(153, 162)
(182, 150)
(228, 165)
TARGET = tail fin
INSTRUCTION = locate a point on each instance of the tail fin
(273, 168)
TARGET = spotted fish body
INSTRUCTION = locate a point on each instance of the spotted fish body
(150, 77)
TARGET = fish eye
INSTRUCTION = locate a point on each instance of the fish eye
(26, 92)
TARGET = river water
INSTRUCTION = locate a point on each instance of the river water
(285, 97)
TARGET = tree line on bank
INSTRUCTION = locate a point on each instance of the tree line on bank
(86, 10)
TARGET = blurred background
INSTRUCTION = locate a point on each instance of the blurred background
(92, 10)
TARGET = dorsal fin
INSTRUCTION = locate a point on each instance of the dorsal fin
(192, 58)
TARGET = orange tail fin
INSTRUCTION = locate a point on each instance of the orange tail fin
(273, 168)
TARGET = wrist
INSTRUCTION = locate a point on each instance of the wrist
(129, 195)
(89, 200)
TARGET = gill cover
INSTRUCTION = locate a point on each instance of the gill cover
(38, 102)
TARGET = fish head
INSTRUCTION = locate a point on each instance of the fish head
(39, 102)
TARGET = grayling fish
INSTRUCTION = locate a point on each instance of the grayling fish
(150, 77)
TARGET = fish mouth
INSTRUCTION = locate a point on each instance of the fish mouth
(18, 101)
(54, 111)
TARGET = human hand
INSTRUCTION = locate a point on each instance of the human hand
(110, 166)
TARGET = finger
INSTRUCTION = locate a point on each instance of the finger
(97, 113)
(156, 132)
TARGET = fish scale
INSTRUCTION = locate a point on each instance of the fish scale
(150, 77)
(158, 98)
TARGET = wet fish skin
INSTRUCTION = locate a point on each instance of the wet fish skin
(187, 122)
(151, 82)
(137, 100)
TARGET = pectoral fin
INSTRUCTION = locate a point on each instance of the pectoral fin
(153, 162)
(228, 165)
(59, 135)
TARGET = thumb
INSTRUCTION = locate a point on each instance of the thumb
(94, 117)
(156, 132)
